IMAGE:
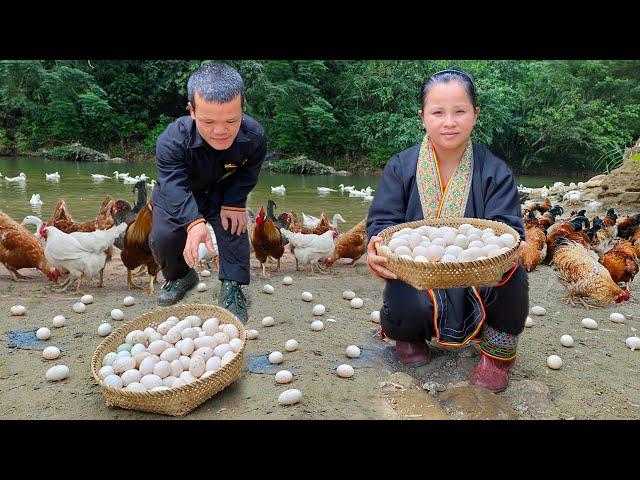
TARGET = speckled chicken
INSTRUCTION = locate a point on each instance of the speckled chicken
(578, 270)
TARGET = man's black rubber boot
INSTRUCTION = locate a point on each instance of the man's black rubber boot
(174, 290)
(232, 298)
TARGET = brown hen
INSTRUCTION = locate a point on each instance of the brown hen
(352, 244)
(621, 262)
(267, 241)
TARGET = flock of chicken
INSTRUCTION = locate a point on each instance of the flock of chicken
(594, 259)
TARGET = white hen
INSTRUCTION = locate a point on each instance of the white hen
(309, 248)
(81, 253)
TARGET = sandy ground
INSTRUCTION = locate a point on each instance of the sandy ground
(599, 378)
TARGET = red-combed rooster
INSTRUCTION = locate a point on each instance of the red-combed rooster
(267, 241)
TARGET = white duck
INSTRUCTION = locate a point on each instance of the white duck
(33, 220)
(325, 190)
(52, 176)
(98, 176)
(131, 180)
(346, 189)
(572, 196)
(279, 189)
(312, 222)
(19, 179)
(120, 175)
(358, 193)
(35, 199)
(368, 198)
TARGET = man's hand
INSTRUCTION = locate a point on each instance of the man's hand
(238, 221)
(377, 263)
(197, 235)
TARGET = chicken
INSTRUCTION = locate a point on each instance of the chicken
(136, 250)
(621, 262)
(267, 241)
(635, 241)
(610, 225)
(20, 249)
(530, 219)
(570, 229)
(37, 221)
(311, 248)
(549, 217)
(628, 225)
(535, 249)
(281, 221)
(64, 222)
(541, 207)
(352, 244)
(81, 253)
(295, 227)
(579, 271)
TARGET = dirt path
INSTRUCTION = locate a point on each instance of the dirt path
(599, 378)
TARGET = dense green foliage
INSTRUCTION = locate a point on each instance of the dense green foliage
(572, 114)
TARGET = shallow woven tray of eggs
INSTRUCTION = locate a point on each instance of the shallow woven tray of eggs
(465, 243)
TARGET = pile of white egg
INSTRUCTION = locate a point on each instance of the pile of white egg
(448, 244)
(175, 353)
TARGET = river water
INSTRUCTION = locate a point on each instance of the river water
(84, 196)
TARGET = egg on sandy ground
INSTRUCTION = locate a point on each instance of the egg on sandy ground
(51, 353)
(589, 323)
(252, 334)
(104, 329)
(276, 357)
(58, 321)
(291, 345)
(290, 397)
(357, 303)
(529, 322)
(57, 373)
(202, 287)
(268, 321)
(205, 273)
(348, 295)
(375, 316)
(307, 296)
(18, 310)
(268, 289)
(87, 299)
(617, 317)
(319, 310)
(345, 371)
(284, 376)
(566, 340)
(538, 310)
(287, 281)
(554, 362)
(128, 301)
(43, 333)
(317, 325)
(117, 314)
(353, 351)
(79, 307)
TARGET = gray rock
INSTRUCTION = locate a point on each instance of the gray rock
(476, 403)
(531, 399)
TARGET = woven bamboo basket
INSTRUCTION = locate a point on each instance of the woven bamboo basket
(430, 275)
(176, 401)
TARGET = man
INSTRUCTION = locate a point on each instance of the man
(208, 163)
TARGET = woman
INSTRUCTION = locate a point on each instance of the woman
(448, 176)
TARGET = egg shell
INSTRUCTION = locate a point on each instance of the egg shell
(113, 381)
(43, 333)
(172, 320)
(221, 349)
(268, 289)
(488, 231)
(435, 252)
(213, 364)
(474, 231)
(138, 357)
(465, 227)
(284, 376)
(176, 368)
(554, 362)
(287, 281)
(290, 397)
(18, 310)
(182, 324)
(252, 334)
(187, 346)
(394, 243)
(105, 372)
(185, 362)
(157, 347)
(401, 251)
(123, 364)
(348, 295)
(51, 353)
(205, 341)
(487, 249)
(236, 344)
(276, 357)
(211, 325)
(227, 358)
(128, 301)
(617, 317)
(493, 240)
(529, 322)
(352, 351)
(205, 273)
(453, 250)
(375, 316)
(130, 376)
(135, 387)
(136, 336)
(196, 366)
(179, 383)
(164, 327)
(268, 321)
(345, 371)
(633, 343)
(124, 353)
(109, 358)
(205, 352)
(220, 338)
(319, 310)
(307, 296)
(230, 330)
(151, 381)
(448, 258)
(124, 347)
(538, 310)
(174, 334)
(476, 244)
(589, 323)
(117, 314)
(419, 251)
(170, 354)
(357, 303)
(439, 242)
(189, 333)
(147, 365)
(149, 331)
(414, 240)
(187, 377)
(169, 381)
(317, 325)
(202, 287)
(104, 329)
(291, 345)
(87, 299)
(566, 341)
(474, 237)
(136, 349)
(58, 321)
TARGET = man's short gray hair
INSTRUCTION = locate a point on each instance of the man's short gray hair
(215, 82)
